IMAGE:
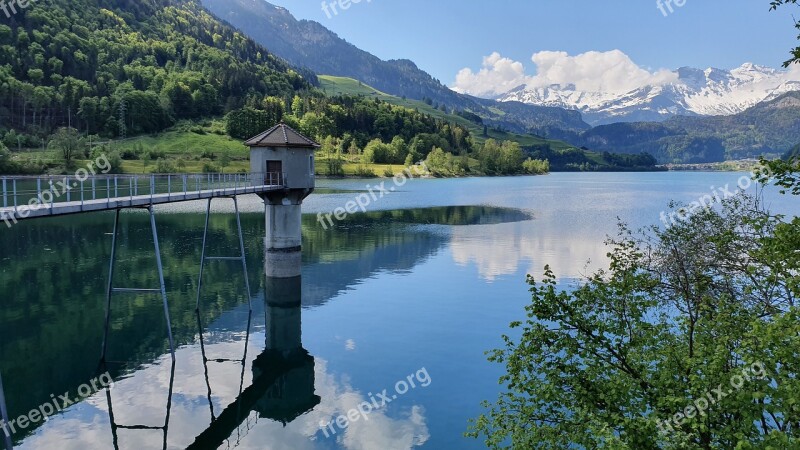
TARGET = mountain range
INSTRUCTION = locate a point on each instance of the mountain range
(165, 61)
(694, 115)
(691, 92)
(309, 44)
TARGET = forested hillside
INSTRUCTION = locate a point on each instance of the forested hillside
(122, 66)
(769, 128)
(119, 68)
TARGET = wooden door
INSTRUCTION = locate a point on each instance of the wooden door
(274, 175)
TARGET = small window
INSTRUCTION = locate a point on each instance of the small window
(311, 164)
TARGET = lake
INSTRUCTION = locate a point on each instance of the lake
(388, 325)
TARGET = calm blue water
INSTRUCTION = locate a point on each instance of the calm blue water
(414, 292)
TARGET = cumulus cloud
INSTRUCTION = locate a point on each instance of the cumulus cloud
(608, 72)
(497, 75)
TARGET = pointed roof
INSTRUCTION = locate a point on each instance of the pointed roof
(281, 135)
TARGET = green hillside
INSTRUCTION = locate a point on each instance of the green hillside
(117, 67)
(770, 128)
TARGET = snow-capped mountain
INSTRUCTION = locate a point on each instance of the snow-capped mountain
(692, 92)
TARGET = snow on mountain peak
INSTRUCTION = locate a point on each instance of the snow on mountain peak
(710, 91)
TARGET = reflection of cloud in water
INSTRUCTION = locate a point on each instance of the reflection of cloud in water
(378, 431)
(499, 250)
(141, 400)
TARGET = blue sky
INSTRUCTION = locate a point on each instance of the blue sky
(445, 36)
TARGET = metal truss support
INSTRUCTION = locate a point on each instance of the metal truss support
(242, 257)
(112, 290)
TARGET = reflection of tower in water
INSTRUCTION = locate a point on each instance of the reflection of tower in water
(292, 394)
(283, 374)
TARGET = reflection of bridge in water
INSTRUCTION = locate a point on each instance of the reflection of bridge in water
(282, 387)
(137, 343)
(334, 261)
(283, 374)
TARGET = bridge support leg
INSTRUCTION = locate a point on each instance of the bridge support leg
(242, 256)
(283, 243)
(4, 430)
(110, 289)
(161, 280)
(162, 290)
(203, 256)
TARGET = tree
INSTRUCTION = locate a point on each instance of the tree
(510, 158)
(536, 166)
(630, 357)
(440, 162)
(5, 159)
(88, 110)
(489, 157)
(353, 149)
(176, 98)
(246, 123)
(298, 106)
(316, 125)
(68, 142)
(224, 161)
(333, 158)
(398, 151)
(274, 108)
(378, 152)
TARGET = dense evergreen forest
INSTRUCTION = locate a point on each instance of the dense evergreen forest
(119, 67)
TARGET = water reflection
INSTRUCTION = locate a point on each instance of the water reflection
(237, 380)
(507, 249)
(381, 294)
(282, 386)
(164, 429)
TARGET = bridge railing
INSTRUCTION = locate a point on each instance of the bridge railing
(44, 190)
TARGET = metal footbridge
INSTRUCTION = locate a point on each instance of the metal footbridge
(28, 197)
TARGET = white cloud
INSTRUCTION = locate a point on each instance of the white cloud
(498, 75)
(608, 72)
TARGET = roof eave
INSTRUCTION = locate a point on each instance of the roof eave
(259, 145)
